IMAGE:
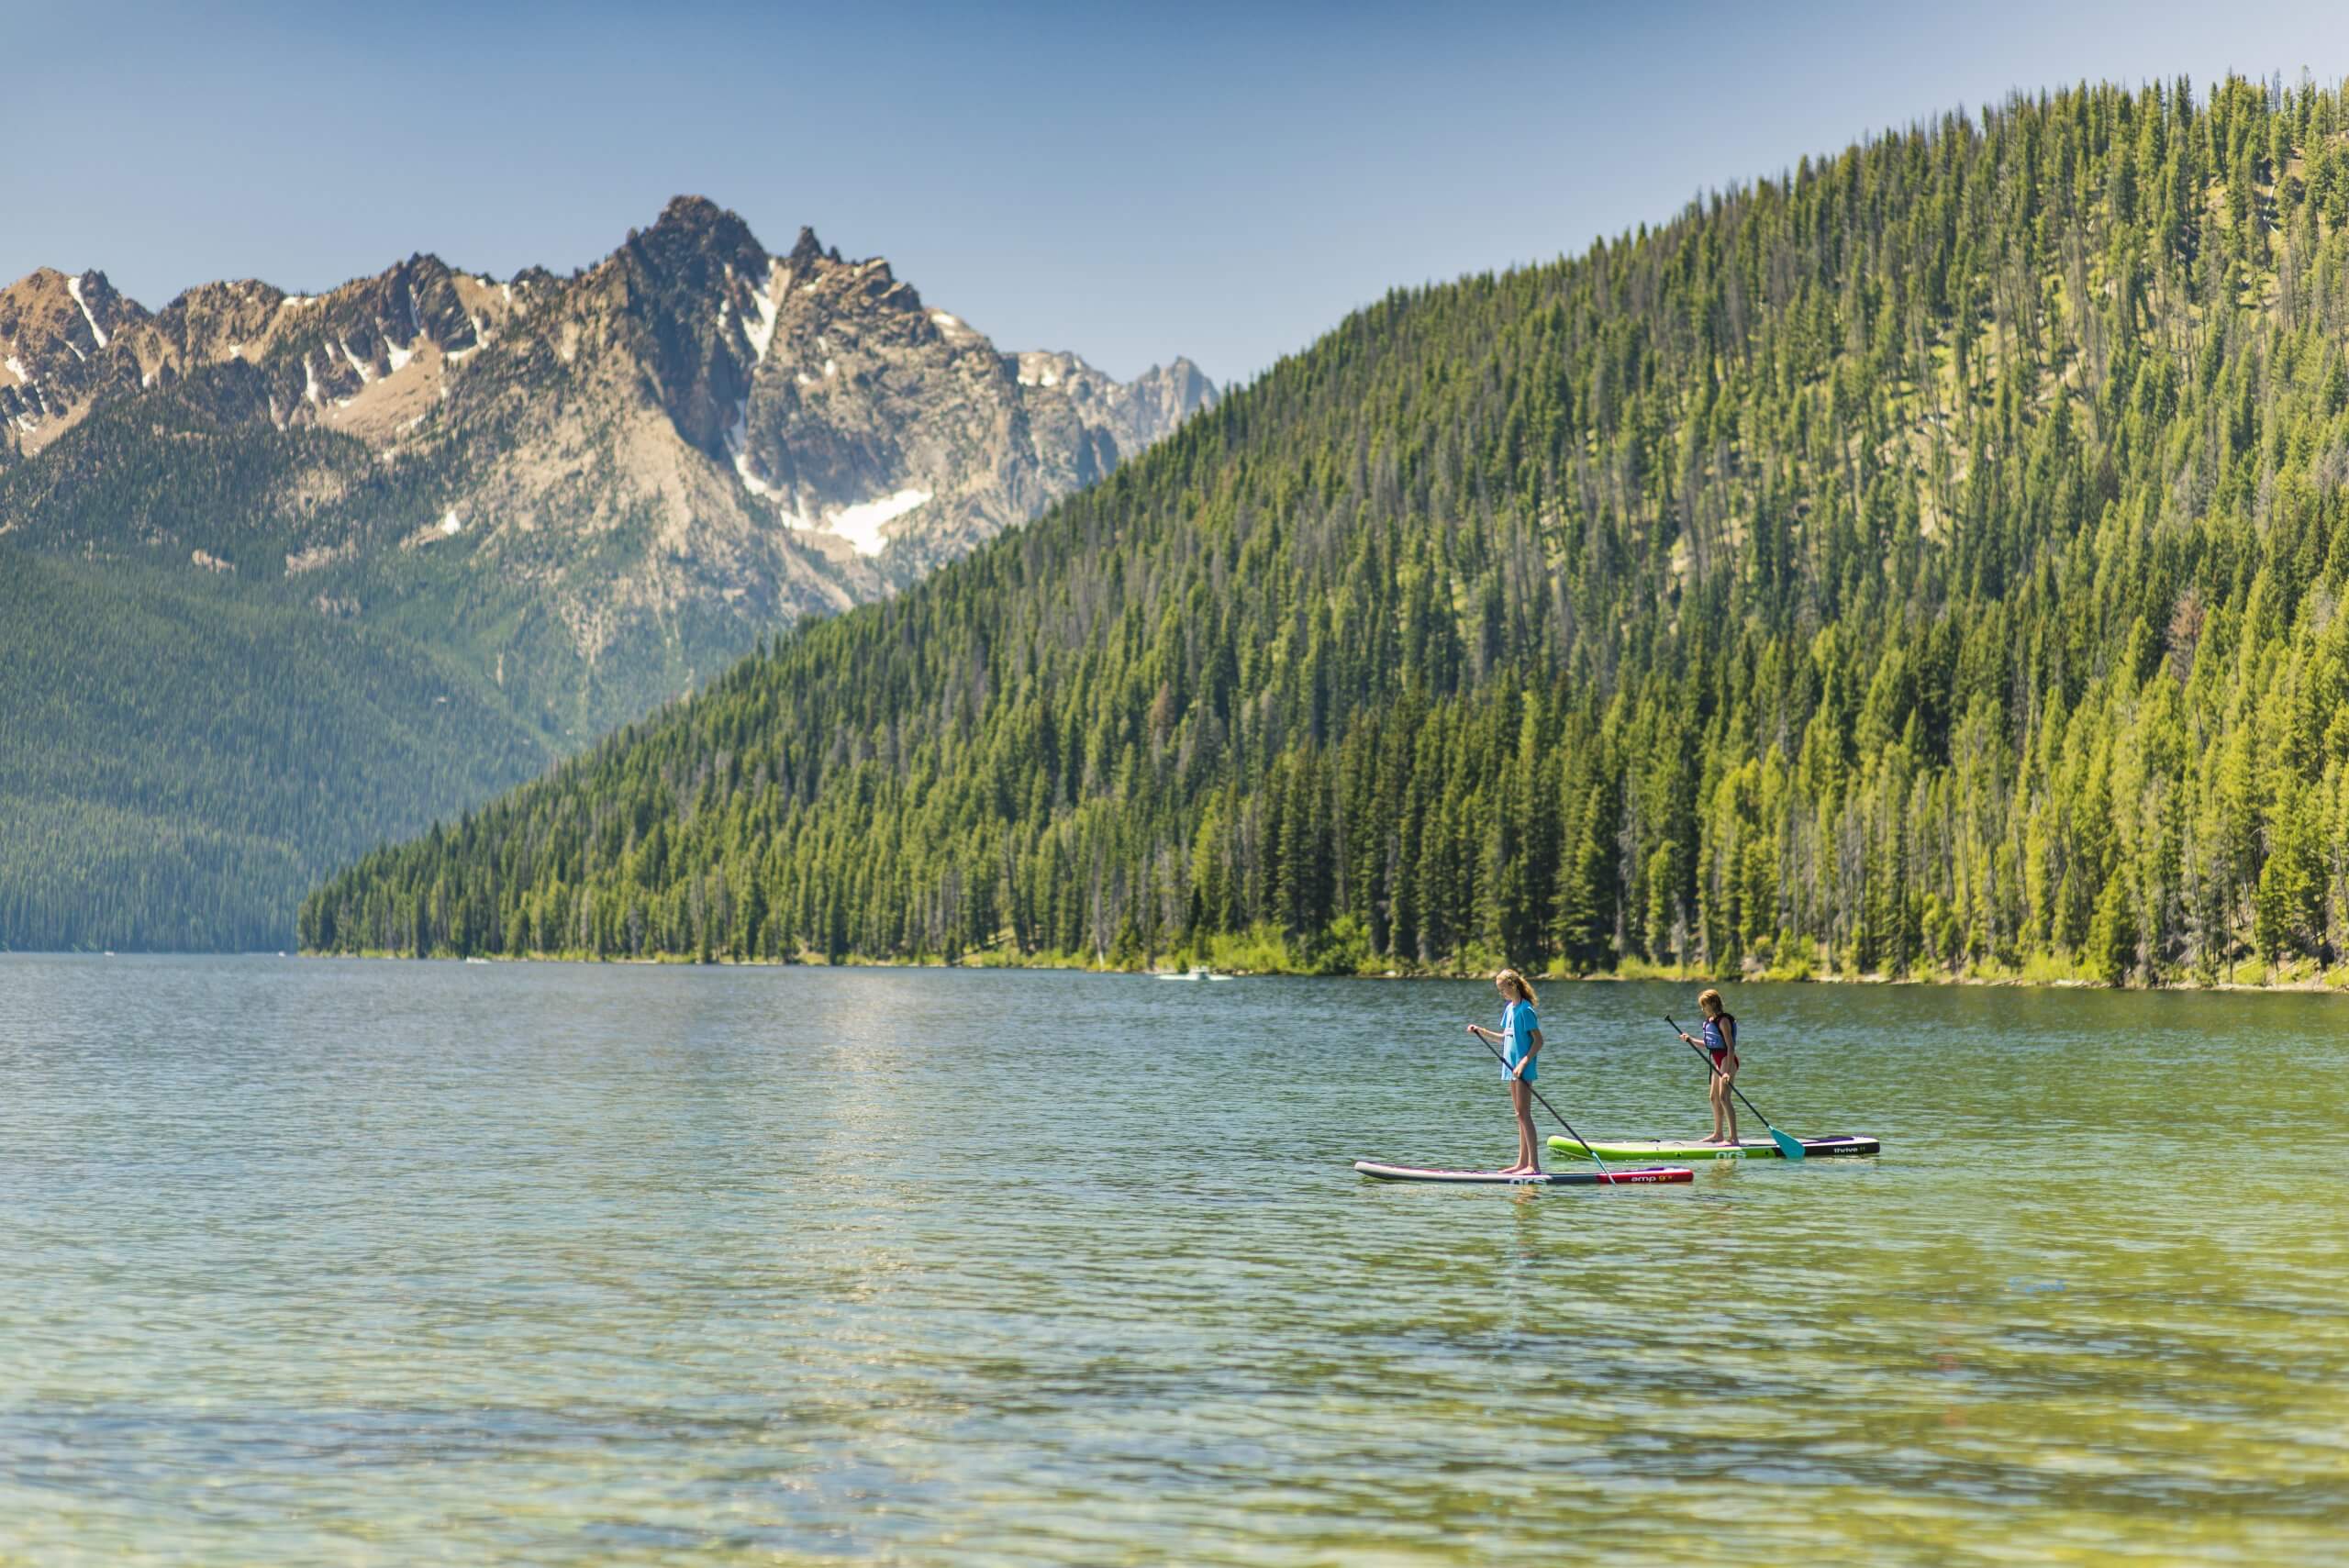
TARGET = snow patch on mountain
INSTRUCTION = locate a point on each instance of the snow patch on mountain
(762, 335)
(736, 446)
(860, 525)
(74, 287)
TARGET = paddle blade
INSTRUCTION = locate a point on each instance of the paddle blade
(1788, 1144)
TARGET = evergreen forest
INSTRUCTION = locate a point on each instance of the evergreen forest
(181, 758)
(1927, 562)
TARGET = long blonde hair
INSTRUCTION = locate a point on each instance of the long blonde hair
(1511, 977)
(1709, 1002)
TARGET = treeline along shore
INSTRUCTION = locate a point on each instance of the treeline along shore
(1928, 563)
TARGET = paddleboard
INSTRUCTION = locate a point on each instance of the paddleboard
(1689, 1148)
(1578, 1178)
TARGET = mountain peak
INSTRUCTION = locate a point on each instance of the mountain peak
(692, 242)
(692, 212)
(695, 226)
(55, 327)
(49, 283)
(809, 249)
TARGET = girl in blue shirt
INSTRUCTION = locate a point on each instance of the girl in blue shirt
(1520, 1040)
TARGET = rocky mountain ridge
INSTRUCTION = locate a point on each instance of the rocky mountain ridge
(741, 399)
(283, 576)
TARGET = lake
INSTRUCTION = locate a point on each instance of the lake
(381, 1262)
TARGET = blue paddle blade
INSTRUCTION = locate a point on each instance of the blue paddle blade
(1788, 1144)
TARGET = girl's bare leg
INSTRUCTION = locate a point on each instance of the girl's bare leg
(1728, 1105)
(1529, 1143)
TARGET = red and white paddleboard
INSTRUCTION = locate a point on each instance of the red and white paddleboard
(1576, 1178)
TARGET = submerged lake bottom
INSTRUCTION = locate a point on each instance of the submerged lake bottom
(379, 1263)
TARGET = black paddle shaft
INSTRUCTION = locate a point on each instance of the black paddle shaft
(1516, 1077)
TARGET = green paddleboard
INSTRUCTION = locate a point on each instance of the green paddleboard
(1689, 1148)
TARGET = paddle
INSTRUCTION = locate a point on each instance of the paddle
(1788, 1144)
(1548, 1106)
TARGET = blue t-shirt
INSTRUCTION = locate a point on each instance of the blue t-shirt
(1517, 1024)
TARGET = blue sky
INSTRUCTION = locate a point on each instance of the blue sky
(1127, 182)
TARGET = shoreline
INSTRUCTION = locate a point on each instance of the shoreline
(2301, 984)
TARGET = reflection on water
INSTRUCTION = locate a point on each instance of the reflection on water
(371, 1262)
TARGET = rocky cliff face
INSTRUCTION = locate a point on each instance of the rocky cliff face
(57, 354)
(663, 456)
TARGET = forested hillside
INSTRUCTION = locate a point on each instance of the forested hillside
(179, 761)
(1928, 562)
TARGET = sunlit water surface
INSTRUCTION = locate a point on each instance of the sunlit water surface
(313, 1262)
